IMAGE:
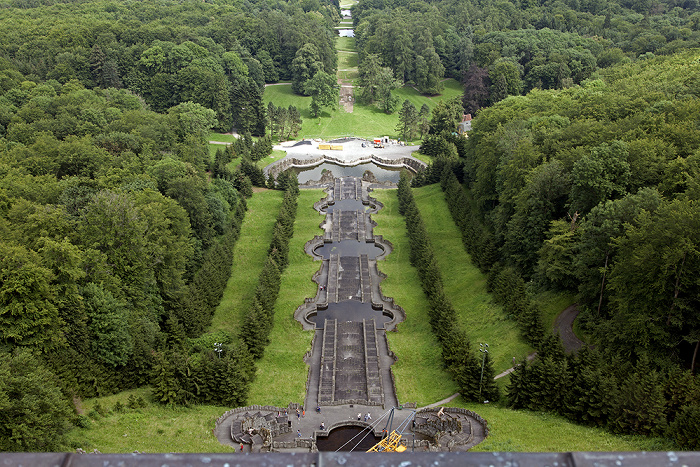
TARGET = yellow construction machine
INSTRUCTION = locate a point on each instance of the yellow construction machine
(392, 441)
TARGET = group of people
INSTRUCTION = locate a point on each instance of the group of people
(367, 417)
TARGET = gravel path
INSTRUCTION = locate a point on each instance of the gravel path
(564, 326)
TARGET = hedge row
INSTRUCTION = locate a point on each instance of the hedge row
(258, 321)
(457, 355)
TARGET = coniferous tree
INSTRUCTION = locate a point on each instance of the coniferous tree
(685, 429)
(408, 120)
(489, 388)
(35, 415)
(517, 391)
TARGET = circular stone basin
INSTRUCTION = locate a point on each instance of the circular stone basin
(347, 438)
(383, 174)
(349, 248)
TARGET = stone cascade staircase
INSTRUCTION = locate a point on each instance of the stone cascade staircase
(373, 375)
(326, 388)
(350, 364)
(365, 279)
(332, 286)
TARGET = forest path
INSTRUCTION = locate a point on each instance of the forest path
(564, 326)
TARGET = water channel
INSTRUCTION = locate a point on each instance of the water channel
(388, 174)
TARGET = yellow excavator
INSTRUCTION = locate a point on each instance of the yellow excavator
(392, 441)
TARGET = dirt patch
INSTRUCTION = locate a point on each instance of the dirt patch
(347, 95)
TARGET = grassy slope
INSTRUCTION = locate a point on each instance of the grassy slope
(347, 54)
(281, 376)
(249, 256)
(418, 371)
(465, 285)
(345, 44)
(152, 429)
(551, 304)
(524, 431)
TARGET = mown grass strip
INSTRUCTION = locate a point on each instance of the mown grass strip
(346, 44)
(281, 374)
(420, 376)
(465, 285)
(347, 60)
(249, 257)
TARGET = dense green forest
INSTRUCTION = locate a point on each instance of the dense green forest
(217, 54)
(117, 227)
(593, 190)
(501, 48)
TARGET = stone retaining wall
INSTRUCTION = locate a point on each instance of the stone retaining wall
(469, 413)
(281, 165)
(352, 401)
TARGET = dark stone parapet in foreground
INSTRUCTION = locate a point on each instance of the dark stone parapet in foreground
(344, 459)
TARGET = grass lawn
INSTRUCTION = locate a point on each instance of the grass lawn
(465, 285)
(347, 59)
(365, 121)
(274, 157)
(152, 429)
(249, 256)
(524, 431)
(345, 44)
(452, 90)
(281, 374)
(551, 304)
(222, 137)
(418, 372)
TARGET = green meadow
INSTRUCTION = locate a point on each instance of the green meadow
(249, 256)
(152, 429)
(281, 373)
(484, 321)
(418, 371)
(365, 121)
(345, 44)
(524, 431)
